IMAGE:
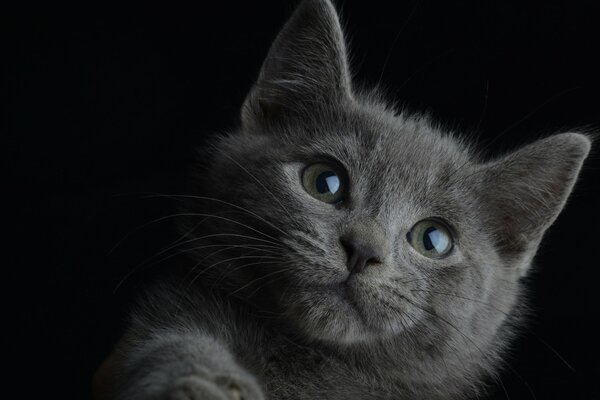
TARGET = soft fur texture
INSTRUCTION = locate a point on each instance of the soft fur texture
(271, 311)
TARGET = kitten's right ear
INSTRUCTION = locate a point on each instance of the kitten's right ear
(306, 67)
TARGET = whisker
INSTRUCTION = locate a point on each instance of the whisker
(270, 281)
(556, 353)
(511, 127)
(223, 202)
(390, 51)
(289, 286)
(137, 228)
(229, 272)
(245, 265)
(258, 279)
(465, 336)
(283, 208)
(202, 272)
(225, 219)
(238, 235)
(180, 252)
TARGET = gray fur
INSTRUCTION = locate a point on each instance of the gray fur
(264, 315)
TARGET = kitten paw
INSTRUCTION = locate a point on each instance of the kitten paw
(217, 388)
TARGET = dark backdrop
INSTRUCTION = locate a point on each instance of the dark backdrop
(104, 102)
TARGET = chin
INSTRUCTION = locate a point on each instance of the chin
(339, 315)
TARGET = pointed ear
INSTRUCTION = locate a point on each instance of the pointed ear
(524, 192)
(306, 65)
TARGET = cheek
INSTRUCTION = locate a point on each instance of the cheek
(460, 292)
(404, 270)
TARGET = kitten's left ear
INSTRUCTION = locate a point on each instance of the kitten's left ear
(306, 67)
(524, 192)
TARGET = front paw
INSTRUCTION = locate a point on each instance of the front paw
(215, 388)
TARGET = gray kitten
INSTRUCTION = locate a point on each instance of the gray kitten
(343, 251)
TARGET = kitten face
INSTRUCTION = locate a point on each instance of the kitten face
(292, 236)
(397, 172)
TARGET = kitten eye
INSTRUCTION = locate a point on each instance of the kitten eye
(431, 238)
(324, 182)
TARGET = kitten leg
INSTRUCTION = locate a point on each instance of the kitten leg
(180, 366)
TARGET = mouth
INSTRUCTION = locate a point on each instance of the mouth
(346, 298)
(347, 293)
(341, 312)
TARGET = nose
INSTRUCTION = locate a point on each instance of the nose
(361, 252)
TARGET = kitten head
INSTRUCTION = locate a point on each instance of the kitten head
(357, 223)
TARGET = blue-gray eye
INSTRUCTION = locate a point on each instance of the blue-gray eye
(431, 238)
(324, 182)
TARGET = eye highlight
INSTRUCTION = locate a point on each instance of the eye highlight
(430, 238)
(325, 182)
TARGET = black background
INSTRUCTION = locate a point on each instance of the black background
(103, 102)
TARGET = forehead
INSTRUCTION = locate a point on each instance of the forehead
(393, 159)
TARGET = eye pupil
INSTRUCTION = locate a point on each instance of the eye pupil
(327, 182)
(435, 239)
(429, 237)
